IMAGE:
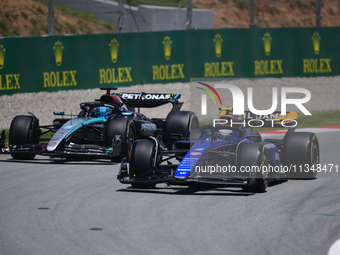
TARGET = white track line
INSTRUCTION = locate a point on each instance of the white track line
(335, 248)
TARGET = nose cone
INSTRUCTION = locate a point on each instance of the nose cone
(51, 146)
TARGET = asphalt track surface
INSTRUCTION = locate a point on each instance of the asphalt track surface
(53, 206)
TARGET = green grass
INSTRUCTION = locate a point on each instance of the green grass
(106, 24)
(320, 119)
(48, 135)
(5, 27)
(242, 4)
(64, 9)
(87, 16)
(170, 3)
(40, 10)
(6, 135)
(16, 31)
(8, 14)
(35, 31)
(60, 8)
(71, 27)
(274, 10)
(83, 19)
(24, 15)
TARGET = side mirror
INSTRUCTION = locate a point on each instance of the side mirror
(59, 113)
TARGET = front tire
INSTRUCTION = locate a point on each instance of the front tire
(179, 122)
(123, 127)
(22, 132)
(255, 155)
(302, 150)
(142, 159)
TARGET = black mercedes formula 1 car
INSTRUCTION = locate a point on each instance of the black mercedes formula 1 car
(224, 156)
(105, 128)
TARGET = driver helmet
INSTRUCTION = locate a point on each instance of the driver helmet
(117, 100)
(103, 112)
(224, 134)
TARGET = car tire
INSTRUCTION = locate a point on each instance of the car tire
(179, 122)
(142, 159)
(125, 128)
(22, 132)
(82, 113)
(301, 149)
(254, 154)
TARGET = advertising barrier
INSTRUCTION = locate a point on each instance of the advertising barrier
(51, 63)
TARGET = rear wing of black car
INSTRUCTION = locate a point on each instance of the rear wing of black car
(150, 100)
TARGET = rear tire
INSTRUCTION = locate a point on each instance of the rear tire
(82, 114)
(22, 132)
(255, 154)
(124, 127)
(301, 149)
(179, 122)
(142, 159)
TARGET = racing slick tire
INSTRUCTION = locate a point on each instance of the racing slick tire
(250, 155)
(301, 154)
(22, 132)
(142, 158)
(125, 128)
(82, 113)
(58, 123)
(179, 122)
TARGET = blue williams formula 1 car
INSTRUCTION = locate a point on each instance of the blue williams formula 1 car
(223, 156)
(105, 128)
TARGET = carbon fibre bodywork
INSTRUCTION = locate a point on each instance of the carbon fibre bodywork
(209, 160)
(94, 133)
